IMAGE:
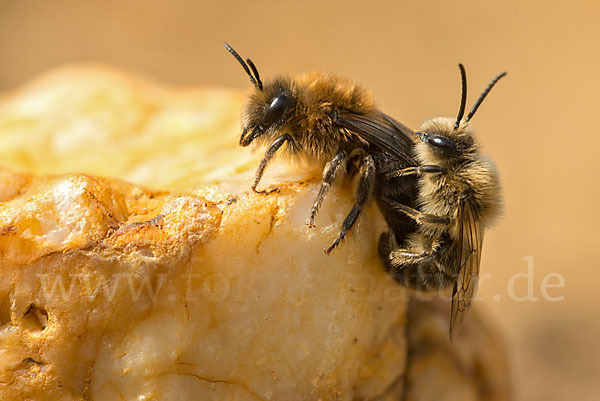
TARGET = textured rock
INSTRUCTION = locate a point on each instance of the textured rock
(186, 285)
(116, 291)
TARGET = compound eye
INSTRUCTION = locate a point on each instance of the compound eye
(441, 142)
(276, 109)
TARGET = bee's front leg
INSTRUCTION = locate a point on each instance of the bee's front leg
(277, 143)
(366, 183)
(420, 170)
(329, 174)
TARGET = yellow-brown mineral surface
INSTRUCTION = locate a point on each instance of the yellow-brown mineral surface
(136, 264)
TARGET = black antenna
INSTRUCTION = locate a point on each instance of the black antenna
(241, 61)
(255, 71)
(484, 94)
(463, 98)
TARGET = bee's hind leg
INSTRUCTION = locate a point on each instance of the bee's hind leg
(366, 183)
(277, 143)
(329, 174)
(417, 270)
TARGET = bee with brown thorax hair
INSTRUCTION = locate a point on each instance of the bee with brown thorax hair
(334, 121)
(458, 197)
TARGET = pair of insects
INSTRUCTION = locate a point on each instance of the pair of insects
(435, 189)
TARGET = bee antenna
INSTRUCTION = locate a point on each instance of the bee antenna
(463, 98)
(243, 63)
(255, 71)
(484, 94)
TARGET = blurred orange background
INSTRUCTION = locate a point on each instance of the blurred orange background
(538, 125)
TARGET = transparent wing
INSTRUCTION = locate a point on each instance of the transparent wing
(470, 241)
(381, 131)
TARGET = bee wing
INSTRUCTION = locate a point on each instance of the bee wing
(382, 131)
(470, 241)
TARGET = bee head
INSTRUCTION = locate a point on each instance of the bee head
(268, 111)
(268, 107)
(439, 138)
(447, 139)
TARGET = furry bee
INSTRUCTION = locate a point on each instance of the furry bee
(459, 196)
(334, 121)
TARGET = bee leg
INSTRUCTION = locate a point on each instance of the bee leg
(365, 189)
(329, 173)
(277, 143)
(419, 217)
(419, 271)
(420, 170)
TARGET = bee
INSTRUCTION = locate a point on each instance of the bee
(332, 120)
(459, 196)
